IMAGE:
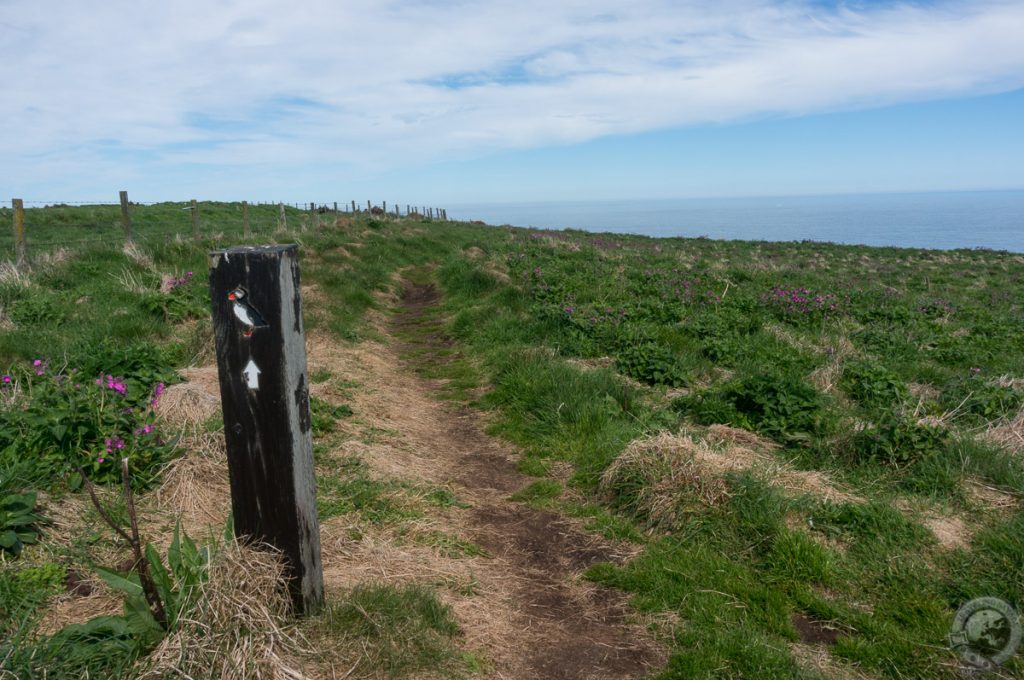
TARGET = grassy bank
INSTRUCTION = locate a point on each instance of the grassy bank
(817, 448)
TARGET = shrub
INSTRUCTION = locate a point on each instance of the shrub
(59, 421)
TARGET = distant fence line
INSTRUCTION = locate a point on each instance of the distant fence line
(127, 221)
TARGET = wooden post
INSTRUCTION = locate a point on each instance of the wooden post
(126, 217)
(335, 208)
(384, 207)
(195, 220)
(264, 388)
(353, 207)
(408, 210)
(246, 231)
(282, 218)
(20, 249)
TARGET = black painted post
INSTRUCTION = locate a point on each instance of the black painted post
(264, 387)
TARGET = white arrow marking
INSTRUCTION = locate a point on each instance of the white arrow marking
(252, 375)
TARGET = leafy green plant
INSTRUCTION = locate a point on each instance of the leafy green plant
(651, 363)
(18, 521)
(781, 406)
(981, 400)
(873, 386)
(898, 440)
(63, 420)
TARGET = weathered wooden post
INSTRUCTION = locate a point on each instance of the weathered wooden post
(195, 220)
(353, 207)
(126, 217)
(20, 249)
(282, 218)
(246, 230)
(264, 388)
(335, 208)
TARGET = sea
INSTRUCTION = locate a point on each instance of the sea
(948, 220)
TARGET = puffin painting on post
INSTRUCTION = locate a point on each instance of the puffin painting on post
(245, 312)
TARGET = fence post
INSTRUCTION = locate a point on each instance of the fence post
(20, 249)
(264, 388)
(246, 231)
(195, 220)
(282, 219)
(384, 207)
(335, 208)
(126, 217)
(353, 207)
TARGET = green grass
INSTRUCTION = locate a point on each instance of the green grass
(574, 341)
(394, 631)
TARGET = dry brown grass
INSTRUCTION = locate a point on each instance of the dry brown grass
(669, 473)
(1008, 433)
(663, 477)
(238, 628)
(195, 487)
(189, 405)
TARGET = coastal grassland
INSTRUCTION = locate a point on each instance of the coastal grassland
(828, 489)
(50, 227)
(91, 336)
(813, 445)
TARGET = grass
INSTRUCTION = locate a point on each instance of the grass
(394, 631)
(878, 369)
(900, 352)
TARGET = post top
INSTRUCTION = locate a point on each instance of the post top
(255, 250)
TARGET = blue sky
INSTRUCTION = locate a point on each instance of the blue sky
(441, 102)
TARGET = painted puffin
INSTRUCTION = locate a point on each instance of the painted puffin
(245, 312)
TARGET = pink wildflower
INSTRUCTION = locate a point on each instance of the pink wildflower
(7, 379)
(157, 391)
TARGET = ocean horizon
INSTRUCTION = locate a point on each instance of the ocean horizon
(939, 220)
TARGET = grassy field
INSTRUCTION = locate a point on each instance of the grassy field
(817, 449)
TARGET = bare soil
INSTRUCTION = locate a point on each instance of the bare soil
(547, 622)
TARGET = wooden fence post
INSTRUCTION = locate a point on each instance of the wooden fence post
(353, 207)
(20, 249)
(126, 217)
(384, 207)
(195, 220)
(282, 218)
(335, 208)
(264, 388)
(246, 231)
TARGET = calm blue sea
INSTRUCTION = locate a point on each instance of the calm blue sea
(977, 219)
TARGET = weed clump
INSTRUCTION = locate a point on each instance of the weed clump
(780, 406)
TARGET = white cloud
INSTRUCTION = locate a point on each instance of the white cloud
(119, 87)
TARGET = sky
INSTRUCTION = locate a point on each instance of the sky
(433, 102)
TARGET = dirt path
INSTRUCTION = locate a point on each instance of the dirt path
(523, 603)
